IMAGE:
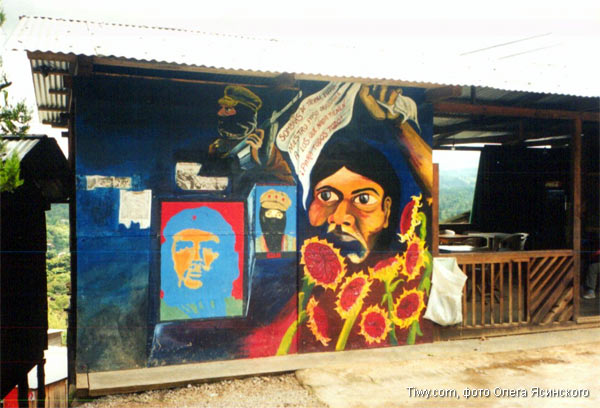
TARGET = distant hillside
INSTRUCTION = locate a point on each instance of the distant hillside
(58, 265)
(457, 188)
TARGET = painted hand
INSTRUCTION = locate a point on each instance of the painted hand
(214, 146)
(374, 99)
(255, 140)
(388, 103)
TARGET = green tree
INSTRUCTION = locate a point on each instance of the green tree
(58, 265)
(14, 120)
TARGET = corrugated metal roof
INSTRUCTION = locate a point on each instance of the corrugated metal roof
(516, 66)
(20, 147)
(42, 84)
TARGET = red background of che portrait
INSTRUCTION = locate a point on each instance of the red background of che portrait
(231, 211)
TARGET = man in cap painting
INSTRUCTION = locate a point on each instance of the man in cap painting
(273, 207)
(238, 129)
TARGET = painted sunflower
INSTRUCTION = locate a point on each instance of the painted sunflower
(374, 325)
(352, 293)
(408, 308)
(323, 264)
(317, 321)
(387, 270)
(413, 258)
(409, 219)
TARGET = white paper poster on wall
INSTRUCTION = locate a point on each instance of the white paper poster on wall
(187, 178)
(135, 206)
(93, 182)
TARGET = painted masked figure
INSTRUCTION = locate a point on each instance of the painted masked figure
(242, 148)
(273, 207)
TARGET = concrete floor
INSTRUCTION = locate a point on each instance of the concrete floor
(511, 371)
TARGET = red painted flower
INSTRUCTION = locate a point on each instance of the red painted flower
(413, 259)
(408, 307)
(374, 325)
(352, 293)
(317, 321)
(387, 269)
(409, 218)
(323, 264)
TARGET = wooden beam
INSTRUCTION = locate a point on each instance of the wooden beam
(45, 71)
(84, 66)
(52, 109)
(284, 81)
(58, 125)
(63, 91)
(476, 139)
(23, 391)
(438, 138)
(576, 200)
(491, 110)
(441, 93)
(435, 221)
(500, 139)
(478, 125)
(68, 82)
(41, 379)
(192, 81)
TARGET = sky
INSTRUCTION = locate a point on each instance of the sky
(392, 23)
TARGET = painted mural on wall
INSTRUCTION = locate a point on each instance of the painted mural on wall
(202, 258)
(276, 215)
(366, 269)
(283, 219)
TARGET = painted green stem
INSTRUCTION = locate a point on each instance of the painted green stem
(348, 324)
(288, 337)
(390, 304)
(412, 333)
(423, 227)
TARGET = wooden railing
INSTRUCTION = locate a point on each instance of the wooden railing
(505, 290)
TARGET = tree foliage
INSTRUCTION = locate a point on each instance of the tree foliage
(14, 121)
(58, 265)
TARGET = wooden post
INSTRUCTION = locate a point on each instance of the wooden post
(435, 221)
(41, 388)
(576, 200)
(23, 392)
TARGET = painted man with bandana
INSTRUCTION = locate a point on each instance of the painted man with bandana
(273, 207)
(238, 128)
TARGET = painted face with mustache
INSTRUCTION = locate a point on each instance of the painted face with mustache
(355, 210)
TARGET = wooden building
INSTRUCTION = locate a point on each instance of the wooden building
(312, 192)
(45, 172)
(55, 375)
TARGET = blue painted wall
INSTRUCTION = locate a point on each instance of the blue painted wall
(139, 129)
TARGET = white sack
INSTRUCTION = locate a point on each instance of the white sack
(445, 299)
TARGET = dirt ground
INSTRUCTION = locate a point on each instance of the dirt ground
(272, 391)
(554, 369)
(561, 376)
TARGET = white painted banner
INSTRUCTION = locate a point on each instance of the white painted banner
(317, 118)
